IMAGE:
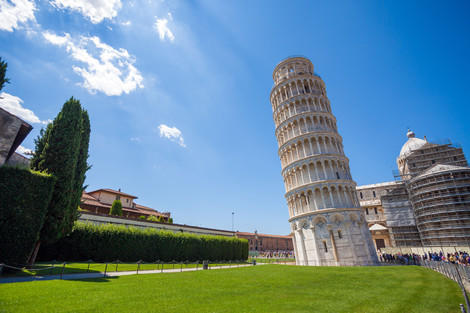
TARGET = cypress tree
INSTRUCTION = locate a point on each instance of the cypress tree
(62, 150)
(116, 208)
(3, 71)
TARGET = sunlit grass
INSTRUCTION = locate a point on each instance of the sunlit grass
(264, 288)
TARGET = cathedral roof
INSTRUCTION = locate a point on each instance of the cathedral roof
(438, 168)
(411, 145)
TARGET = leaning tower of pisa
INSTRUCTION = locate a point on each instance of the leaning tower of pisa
(328, 225)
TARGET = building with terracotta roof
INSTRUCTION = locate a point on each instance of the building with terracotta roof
(101, 200)
(263, 242)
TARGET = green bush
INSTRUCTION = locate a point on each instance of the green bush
(111, 242)
(24, 197)
(116, 208)
(153, 218)
(142, 217)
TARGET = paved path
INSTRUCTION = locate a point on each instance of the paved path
(20, 279)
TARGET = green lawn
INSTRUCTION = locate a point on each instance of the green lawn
(263, 288)
(44, 268)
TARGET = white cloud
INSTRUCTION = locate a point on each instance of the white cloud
(128, 23)
(15, 12)
(24, 150)
(163, 30)
(137, 139)
(14, 105)
(105, 69)
(95, 10)
(172, 133)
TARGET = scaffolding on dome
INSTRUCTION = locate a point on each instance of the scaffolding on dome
(441, 198)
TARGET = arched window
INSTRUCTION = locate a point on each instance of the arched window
(360, 194)
(339, 234)
(324, 246)
(375, 210)
(373, 192)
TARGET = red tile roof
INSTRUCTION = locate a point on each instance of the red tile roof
(114, 192)
(262, 235)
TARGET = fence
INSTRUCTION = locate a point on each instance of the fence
(63, 268)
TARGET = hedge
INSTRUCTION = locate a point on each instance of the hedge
(110, 242)
(24, 197)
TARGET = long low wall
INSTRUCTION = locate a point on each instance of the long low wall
(423, 250)
(97, 219)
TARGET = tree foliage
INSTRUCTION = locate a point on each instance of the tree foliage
(3, 71)
(62, 150)
(116, 208)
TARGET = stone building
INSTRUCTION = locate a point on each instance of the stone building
(430, 203)
(328, 225)
(263, 242)
(13, 130)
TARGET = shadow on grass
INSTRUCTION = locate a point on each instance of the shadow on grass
(97, 279)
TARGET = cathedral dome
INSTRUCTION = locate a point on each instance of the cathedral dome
(412, 144)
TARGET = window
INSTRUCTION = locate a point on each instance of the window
(373, 192)
(360, 194)
(455, 158)
(118, 197)
(375, 210)
(367, 211)
(433, 161)
(339, 234)
(127, 200)
(324, 246)
(337, 175)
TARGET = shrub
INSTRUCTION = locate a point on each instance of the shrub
(170, 220)
(111, 242)
(142, 217)
(24, 197)
(153, 218)
(116, 208)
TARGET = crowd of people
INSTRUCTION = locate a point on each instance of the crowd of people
(278, 254)
(460, 257)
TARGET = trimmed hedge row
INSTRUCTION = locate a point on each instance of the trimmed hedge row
(24, 197)
(111, 242)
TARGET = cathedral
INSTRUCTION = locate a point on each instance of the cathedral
(428, 205)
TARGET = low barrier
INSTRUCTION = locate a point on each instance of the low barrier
(63, 268)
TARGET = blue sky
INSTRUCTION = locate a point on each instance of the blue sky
(178, 91)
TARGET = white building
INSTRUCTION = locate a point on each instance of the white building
(328, 225)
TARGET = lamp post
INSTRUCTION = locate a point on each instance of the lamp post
(233, 214)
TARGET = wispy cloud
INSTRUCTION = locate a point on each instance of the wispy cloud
(95, 10)
(172, 133)
(14, 105)
(14, 13)
(136, 139)
(162, 28)
(24, 150)
(105, 69)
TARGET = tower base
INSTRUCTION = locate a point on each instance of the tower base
(333, 237)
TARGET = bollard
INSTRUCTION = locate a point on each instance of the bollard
(205, 265)
(62, 273)
(88, 268)
(117, 263)
(105, 269)
(181, 267)
(163, 263)
(138, 266)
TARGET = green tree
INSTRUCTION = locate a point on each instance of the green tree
(152, 218)
(3, 71)
(116, 208)
(62, 150)
(170, 220)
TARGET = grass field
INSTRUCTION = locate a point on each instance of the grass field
(263, 288)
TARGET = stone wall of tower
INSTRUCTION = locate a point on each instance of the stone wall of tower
(326, 219)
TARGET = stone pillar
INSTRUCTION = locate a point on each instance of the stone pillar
(315, 246)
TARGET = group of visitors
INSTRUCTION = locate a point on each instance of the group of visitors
(460, 257)
(278, 254)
